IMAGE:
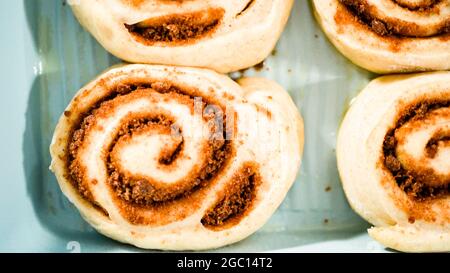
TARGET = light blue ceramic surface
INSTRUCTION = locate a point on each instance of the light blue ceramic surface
(46, 57)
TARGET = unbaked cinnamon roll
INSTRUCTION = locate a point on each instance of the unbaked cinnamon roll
(387, 36)
(393, 156)
(177, 158)
(222, 35)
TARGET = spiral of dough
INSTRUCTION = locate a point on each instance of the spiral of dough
(177, 158)
(394, 160)
(218, 34)
(387, 36)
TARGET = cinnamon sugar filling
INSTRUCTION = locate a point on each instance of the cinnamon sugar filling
(364, 12)
(439, 138)
(419, 5)
(235, 200)
(142, 191)
(177, 28)
(419, 184)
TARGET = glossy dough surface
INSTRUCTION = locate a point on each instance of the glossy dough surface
(222, 35)
(177, 158)
(386, 36)
(393, 156)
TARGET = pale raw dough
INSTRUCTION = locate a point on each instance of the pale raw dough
(370, 188)
(383, 54)
(245, 36)
(269, 133)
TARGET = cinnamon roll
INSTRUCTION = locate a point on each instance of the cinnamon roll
(222, 35)
(393, 156)
(177, 158)
(387, 36)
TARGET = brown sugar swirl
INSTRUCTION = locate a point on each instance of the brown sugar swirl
(389, 36)
(221, 35)
(393, 17)
(177, 28)
(418, 4)
(135, 189)
(393, 155)
(156, 155)
(235, 200)
(149, 143)
(415, 174)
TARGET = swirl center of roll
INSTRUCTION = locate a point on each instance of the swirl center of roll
(147, 151)
(417, 149)
(422, 147)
